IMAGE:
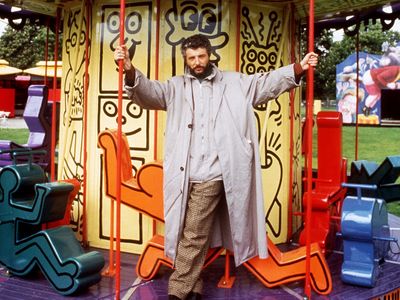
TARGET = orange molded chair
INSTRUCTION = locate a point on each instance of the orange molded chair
(143, 192)
(284, 267)
(327, 194)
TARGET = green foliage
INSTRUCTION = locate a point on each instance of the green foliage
(24, 48)
(332, 53)
(394, 208)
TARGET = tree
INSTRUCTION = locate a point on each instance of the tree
(331, 53)
(24, 48)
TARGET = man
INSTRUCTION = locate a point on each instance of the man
(212, 175)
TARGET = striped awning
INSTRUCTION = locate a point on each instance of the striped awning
(6, 69)
(40, 69)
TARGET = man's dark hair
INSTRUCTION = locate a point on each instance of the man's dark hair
(194, 42)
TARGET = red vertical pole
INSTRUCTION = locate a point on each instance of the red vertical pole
(85, 109)
(119, 147)
(111, 270)
(54, 105)
(238, 14)
(357, 91)
(157, 70)
(291, 118)
(46, 52)
(309, 127)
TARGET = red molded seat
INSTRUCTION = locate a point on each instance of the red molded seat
(328, 193)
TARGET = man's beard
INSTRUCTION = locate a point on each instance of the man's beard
(207, 71)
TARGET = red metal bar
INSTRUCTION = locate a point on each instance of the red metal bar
(357, 92)
(157, 71)
(119, 147)
(110, 271)
(88, 8)
(291, 118)
(54, 104)
(309, 123)
(227, 280)
(238, 14)
(46, 51)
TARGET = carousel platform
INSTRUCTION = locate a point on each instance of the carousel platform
(246, 286)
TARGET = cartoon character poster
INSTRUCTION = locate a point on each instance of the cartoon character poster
(376, 72)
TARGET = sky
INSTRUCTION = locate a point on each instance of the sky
(338, 34)
(3, 24)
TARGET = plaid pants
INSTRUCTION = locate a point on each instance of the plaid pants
(194, 243)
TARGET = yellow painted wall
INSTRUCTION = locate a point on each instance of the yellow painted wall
(261, 37)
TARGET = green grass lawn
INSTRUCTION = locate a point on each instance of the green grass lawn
(394, 208)
(374, 143)
(17, 135)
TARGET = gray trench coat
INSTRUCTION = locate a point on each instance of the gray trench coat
(241, 226)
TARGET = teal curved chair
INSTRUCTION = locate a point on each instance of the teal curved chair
(26, 202)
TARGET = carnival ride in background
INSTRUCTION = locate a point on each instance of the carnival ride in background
(37, 212)
(361, 221)
(144, 193)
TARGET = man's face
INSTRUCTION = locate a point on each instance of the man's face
(197, 60)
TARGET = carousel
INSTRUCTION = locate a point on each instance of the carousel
(81, 206)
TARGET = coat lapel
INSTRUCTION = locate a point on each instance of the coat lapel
(188, 92)
(218, 91)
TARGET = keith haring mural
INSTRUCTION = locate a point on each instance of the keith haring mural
(137, 123)
(186, 18)
(261, 36)
(246, 36)
(71, 146)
